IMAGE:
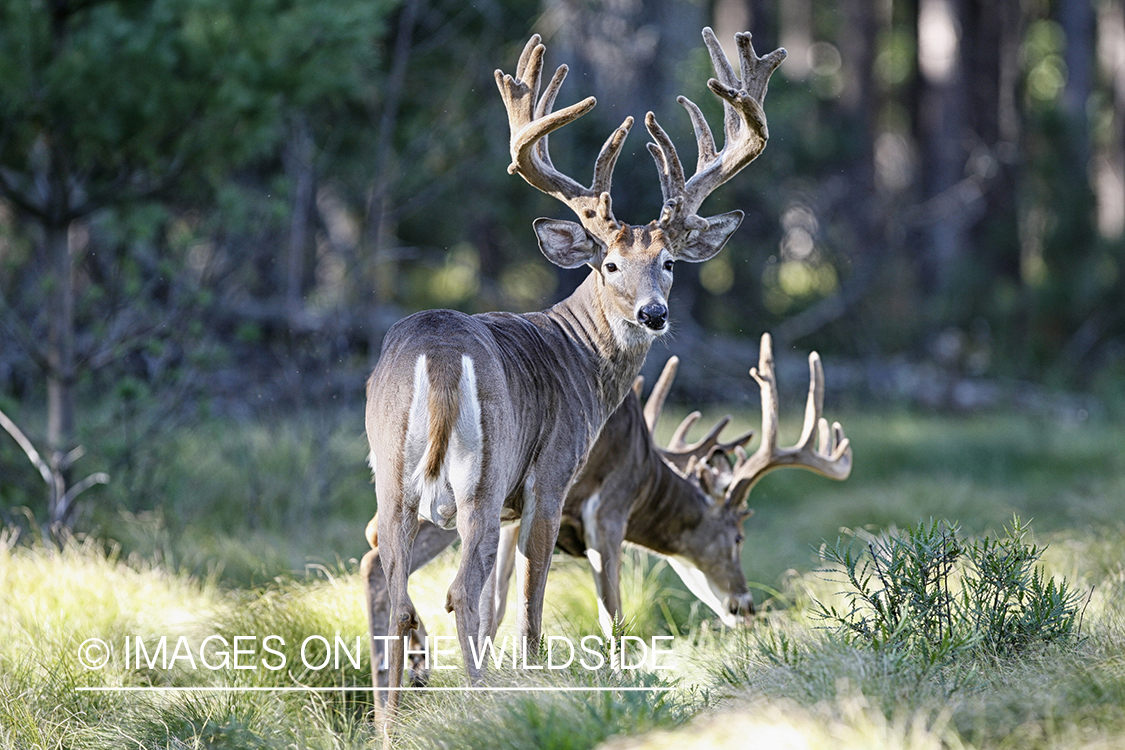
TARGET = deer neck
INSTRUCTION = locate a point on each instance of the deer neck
(615, 352)
(665, 506)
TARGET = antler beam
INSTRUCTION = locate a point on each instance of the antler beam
(744, 128)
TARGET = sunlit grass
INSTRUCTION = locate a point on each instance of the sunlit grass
(780, 679)
(59, 598)
(198, 566)
(848, 722)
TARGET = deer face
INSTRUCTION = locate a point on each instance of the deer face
(634, 268)
(637, 273)
(635, 265)
(710, 562)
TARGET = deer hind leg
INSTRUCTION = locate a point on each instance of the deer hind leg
(478, 502)
(378, 615)
(468, 597)
(397, 526)
(428, 543)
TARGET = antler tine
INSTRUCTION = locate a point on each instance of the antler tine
(639, 386)
(668, 166)
(677, 443)
(831, 458)
(655, 403)
(543, 108)
(756, 71)
(767, 382)
(831, 444)
(607, 157)
(678, 453)
(531, 120)
(705, 142)
(814, 404)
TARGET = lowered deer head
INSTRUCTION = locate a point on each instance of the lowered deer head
(483, 419)
(708, 571)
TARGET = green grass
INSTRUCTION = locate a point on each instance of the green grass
(256, 533)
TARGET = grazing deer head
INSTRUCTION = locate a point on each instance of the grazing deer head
(477, 420)
(708, 542)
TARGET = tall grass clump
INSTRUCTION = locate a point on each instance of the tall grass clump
(931, 594)
(56, 598)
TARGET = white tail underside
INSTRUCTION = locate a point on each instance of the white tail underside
(461, 466)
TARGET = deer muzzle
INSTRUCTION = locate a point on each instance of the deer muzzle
(653, 316)
(741, 605)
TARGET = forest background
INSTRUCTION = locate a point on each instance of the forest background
(213, 210)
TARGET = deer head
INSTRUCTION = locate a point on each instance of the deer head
(635, 262)
(711, 564)
(708, 540)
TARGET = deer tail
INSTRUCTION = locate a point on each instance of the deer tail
(444, 374)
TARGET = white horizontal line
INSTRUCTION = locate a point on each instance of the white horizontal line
(355, 689)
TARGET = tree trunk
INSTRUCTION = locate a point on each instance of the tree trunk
(61, 367)
(1109, 165)
(941, 120)
(301, 154)
(385, 168)
(1077, 20)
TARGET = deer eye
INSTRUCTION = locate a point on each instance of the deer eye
(668, 265)
(610, 267)
(738, 539)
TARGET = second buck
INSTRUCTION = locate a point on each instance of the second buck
(475, 420)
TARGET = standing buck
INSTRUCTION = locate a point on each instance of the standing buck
(477, 420)
(678, 501)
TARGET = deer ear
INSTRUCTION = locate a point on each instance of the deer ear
(566, 243)
(706, 244)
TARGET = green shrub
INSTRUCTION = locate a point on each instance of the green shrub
(929, 594)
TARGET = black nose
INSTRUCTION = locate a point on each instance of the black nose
(741, 605)
(653, 315)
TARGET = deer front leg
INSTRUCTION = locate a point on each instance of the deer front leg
(502, 573)
(604, 535)
(539, 529)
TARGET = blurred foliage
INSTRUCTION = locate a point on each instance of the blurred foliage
(116, 98)
(253, 191)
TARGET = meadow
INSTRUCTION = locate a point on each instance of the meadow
(259, 531)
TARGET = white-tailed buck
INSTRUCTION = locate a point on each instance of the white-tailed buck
(478, 420)
(685, 502)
